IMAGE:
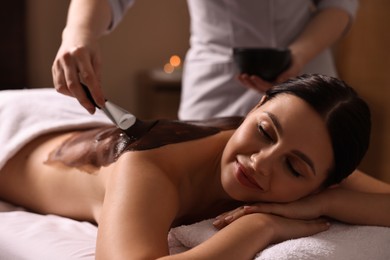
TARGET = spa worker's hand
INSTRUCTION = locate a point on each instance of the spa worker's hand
(78, 58)
(259, 84)
(254, 82)
(77, 61)
(323, 30)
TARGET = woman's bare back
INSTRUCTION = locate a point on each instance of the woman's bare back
(68, 184)
(26, 180)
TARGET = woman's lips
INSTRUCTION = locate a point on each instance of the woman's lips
(244, 178)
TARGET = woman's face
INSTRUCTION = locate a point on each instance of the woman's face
(280, 153)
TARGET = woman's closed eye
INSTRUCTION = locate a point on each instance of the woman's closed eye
(291, 168)
(265, 133)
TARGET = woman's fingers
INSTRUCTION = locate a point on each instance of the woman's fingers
(228, 217)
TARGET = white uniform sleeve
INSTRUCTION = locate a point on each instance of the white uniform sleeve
(118, 9)
(350, 6)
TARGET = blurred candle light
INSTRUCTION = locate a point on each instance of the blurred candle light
(171, 71)
(175, 61)
(168, 68)
(173, 64)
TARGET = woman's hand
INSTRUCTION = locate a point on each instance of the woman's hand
(310, 207)
(78, 61)
(286, 228)
(250, 234)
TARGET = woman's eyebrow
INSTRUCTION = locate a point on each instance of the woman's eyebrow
(301, 155)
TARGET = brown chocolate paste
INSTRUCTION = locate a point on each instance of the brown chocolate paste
(89, 150)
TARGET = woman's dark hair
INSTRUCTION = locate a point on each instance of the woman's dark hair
(346, 115)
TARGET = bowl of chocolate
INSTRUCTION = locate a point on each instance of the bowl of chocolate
(267, 63)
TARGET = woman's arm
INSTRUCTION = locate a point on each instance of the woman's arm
(359, 199)
(250, 234)
(360, 181)
(357, 207)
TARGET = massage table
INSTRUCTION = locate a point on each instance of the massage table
(31, 236)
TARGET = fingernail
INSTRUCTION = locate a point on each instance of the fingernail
(91, 110)
(228, 218)
(217, 222)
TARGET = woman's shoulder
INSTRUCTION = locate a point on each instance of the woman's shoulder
(174, 148)
(223, 123)
(176, 160)
(165, 132)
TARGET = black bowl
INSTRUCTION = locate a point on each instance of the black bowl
(267, 63)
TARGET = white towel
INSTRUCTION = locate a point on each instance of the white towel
(26, 235)
(26, 114)
(340, 242)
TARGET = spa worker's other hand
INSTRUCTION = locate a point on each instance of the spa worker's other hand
(259, 84)
(254, 82)
(78, 59)
(321, 32)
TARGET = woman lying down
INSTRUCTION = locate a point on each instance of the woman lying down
(278, 174)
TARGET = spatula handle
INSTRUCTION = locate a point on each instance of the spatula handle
(89, 96)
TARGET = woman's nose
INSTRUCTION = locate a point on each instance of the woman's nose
(260, 162)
